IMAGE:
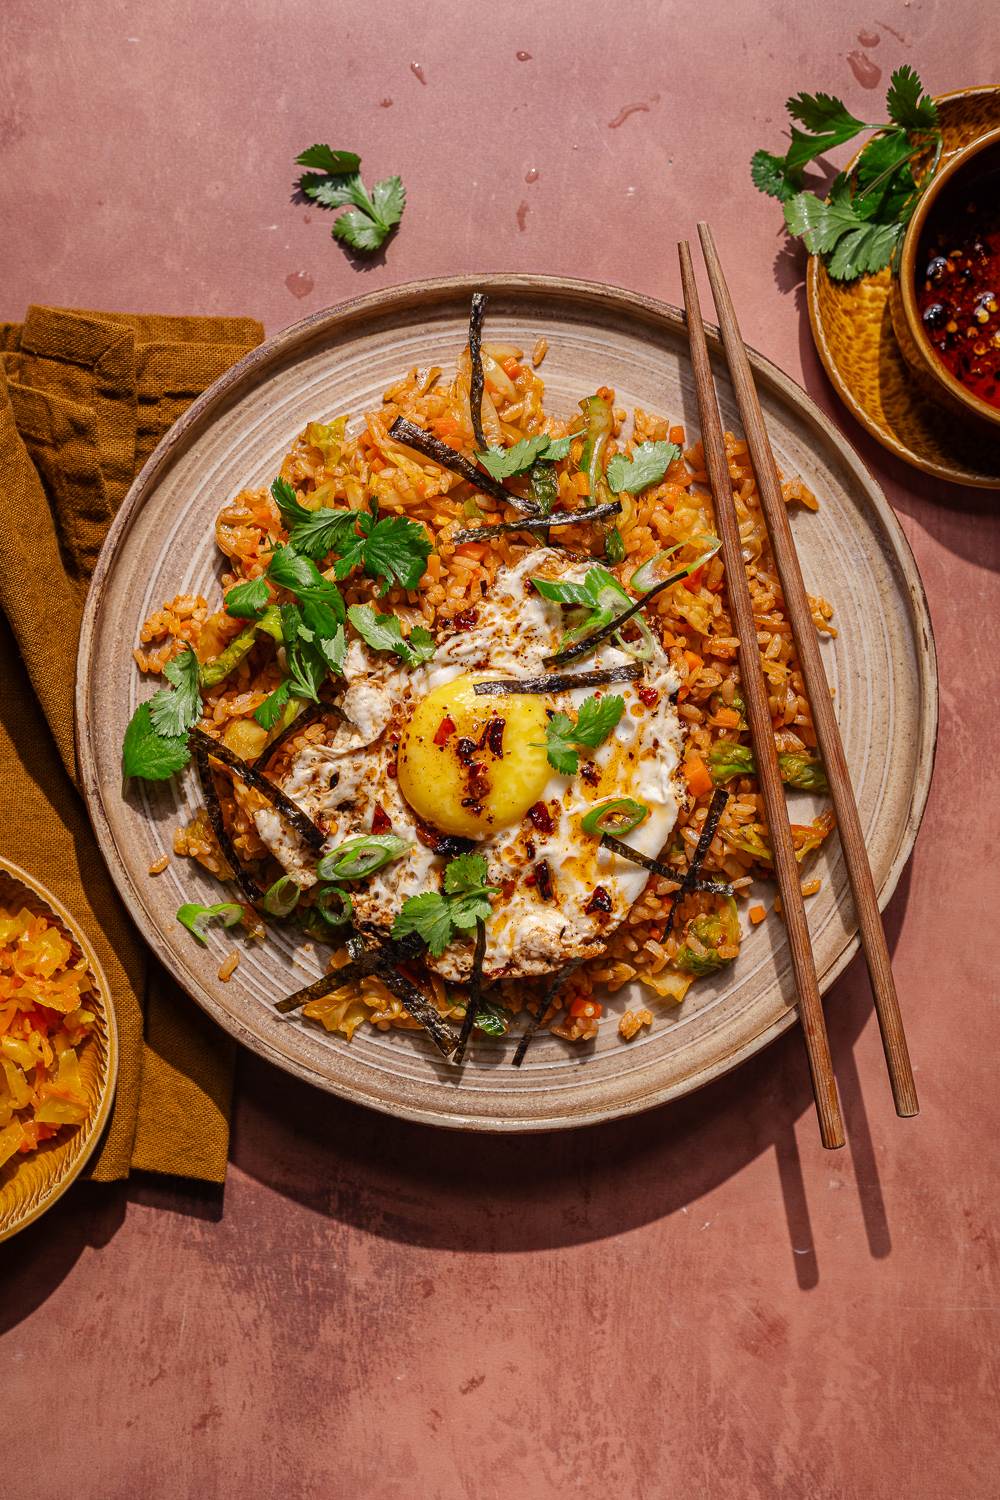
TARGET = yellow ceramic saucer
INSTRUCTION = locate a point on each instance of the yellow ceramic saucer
(853, 334)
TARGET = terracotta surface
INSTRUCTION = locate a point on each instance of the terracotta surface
(698, 1302)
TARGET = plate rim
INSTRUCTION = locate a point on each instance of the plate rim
(882, 435)
(95, 1124)
(373, 304)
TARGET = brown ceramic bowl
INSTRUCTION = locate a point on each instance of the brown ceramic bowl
(979, 160)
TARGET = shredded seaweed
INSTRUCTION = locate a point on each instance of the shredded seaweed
(584, 647)
(420, 1008)
(449, 458)
(475, 991)
(715, 808)
(476, 315)
(213, 807)
(309, 715)
(557, 682)
(657, 867)
(304, 826)
(544, 1006)
(537, 523)
(331, 981)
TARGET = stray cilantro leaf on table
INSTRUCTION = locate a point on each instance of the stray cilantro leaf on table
(648, 464)
(595, 721)
(336, 183)
(859, 228)
(383, 632)
(434, 916)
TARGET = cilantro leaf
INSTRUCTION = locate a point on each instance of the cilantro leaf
(359, 231)
(300, 575)
(392, 550)
(269, 712)
(769, 175)
(306, 667)
(330, 192)
(333, 650)
(855, 246)
(544, 486)
(597, 718)
(288, 501)
(648, 464)
(323, 530)
(173, 713)
(823, 113)
(384, 632)
(389, 198)
(502, 463)
(595, 721)
(466, 901)
(906, 102)
(248, 601)
(429, 916)
(326, 160)
(149, 755)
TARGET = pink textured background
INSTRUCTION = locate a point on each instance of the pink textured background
(701, 1301)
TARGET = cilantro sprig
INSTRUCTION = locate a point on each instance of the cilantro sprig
(859, 228)
(336, 183)
(384, 632)
(595, 722)
(156, 739)
(503, 463)
(436, 916)
(391, 550)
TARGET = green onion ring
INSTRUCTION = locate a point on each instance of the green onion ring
(330, 893)
(281, 898)
(620, 815)
(196, 917)
(360, 857)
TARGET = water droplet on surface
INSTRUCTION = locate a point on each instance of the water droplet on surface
(868, 73)
(869, 38)
(307, 218)
(418, 72)
(522, 216)
(385, 104)
(299, 283)
(625, 111)
(531, 175)
(523, 56)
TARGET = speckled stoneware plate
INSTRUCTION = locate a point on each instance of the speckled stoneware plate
(852, 330)
(882, 666)
(30, 1184)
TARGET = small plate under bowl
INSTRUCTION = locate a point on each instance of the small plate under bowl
(30, 1184)
(852, 329)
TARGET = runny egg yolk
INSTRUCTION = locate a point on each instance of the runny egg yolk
(471, 765)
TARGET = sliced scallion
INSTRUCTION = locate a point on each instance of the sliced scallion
(359, 857)
(281, 898)
(334, 905)
(197, 918)
(620, 815)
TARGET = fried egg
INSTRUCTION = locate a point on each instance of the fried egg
(451, 771)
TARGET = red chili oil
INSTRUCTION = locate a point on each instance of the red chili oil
(958, 282)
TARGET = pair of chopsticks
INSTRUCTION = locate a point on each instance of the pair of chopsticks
(758, 714)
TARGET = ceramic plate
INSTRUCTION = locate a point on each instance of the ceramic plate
(881, 666)
(30, 1184)
(853, 335)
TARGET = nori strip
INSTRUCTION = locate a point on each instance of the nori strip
(476, 315)
(304, 826)
(538, 523)
(713, 887)
(419, 1007)
(584, 647)
(543, 1009)
(715, 808)
(213, 807)
(558, 682)
(332, 981)
(449, 458)
(475, 990)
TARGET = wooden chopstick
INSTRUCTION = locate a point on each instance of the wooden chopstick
(831, 1124)
(890, 1021)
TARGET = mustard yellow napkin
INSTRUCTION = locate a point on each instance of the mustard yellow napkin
(84, 399)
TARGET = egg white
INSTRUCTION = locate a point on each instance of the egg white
(339, 783)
